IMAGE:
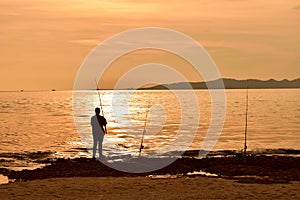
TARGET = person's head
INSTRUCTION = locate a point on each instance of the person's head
(97, 111)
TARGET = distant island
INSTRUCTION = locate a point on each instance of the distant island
(230, 84)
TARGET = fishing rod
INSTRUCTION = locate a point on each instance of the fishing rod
(143, 135)
(100, 101)
(246, 124)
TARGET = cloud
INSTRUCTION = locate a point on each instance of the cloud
(10, 14)
(297, 7)
(87, 42)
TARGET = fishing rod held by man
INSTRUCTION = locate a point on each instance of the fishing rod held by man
(143, 135)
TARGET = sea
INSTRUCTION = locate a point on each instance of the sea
(39, 125)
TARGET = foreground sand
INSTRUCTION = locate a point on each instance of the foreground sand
(252, 177)
(146, 188)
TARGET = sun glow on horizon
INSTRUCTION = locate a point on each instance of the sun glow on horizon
(43, 43)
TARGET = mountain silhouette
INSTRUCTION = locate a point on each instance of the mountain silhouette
(230, 84)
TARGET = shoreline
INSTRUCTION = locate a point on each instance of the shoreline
(32, 160)
(251, 169)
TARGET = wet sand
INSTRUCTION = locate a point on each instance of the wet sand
(146, 188)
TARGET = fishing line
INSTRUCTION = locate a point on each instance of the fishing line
(100, 101)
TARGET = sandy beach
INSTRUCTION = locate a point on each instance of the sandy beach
(146, 188)
(258, 177)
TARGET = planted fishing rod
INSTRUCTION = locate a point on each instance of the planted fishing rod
(100, 101)
(143, 135)
(246, 124)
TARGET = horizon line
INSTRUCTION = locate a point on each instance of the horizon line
(132, 88)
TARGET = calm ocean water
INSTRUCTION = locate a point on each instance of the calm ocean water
(37, 125)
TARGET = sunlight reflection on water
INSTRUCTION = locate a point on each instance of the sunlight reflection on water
(43, 121)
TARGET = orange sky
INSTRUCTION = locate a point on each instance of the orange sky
(44, 42)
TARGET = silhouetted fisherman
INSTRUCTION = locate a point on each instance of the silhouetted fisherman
(98, 123)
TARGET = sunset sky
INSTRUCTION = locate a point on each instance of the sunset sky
(44, 42)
